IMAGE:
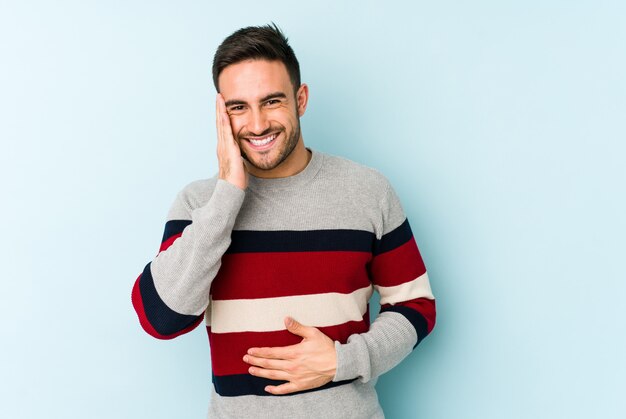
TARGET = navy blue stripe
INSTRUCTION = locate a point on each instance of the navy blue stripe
(164, 320)
(395, 238)
(173, 227)
(417, 320)
(301, 241)
(246, 384)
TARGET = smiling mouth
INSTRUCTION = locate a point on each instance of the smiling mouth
(262, 142)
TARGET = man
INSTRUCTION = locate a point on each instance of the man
(279, 254)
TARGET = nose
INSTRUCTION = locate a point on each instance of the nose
(258, 122)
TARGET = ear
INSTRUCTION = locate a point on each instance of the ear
(302, 98)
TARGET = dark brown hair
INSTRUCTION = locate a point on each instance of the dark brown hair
(258, 43)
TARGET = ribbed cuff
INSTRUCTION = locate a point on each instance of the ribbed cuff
(224, 188)
(226, 196)
(352, 359)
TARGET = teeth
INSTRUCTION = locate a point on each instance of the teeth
(262, 142)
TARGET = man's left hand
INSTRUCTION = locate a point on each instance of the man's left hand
(306, 365)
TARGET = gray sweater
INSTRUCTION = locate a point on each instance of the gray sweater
(313, 246)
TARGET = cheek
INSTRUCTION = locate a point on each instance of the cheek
(285, 117)
(237, 123)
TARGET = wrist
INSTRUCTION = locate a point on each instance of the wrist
(350, 362)
(234, 182)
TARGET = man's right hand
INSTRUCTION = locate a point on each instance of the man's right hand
(232, 167)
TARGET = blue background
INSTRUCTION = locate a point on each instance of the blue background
(500, 124)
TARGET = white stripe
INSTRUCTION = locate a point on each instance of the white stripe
(268, 314)
(419, 287)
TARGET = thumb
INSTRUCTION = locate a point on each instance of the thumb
(298, 328)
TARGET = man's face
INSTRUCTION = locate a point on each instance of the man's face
(264, 110)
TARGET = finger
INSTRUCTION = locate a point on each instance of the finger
(283, 388)
(268, 363)
(218, 118)
(223, 115)
(271, 374)
(299, 329)
(224, 123)
(278, 352)
(227, 130)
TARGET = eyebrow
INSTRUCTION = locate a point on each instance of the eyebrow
(274, 95)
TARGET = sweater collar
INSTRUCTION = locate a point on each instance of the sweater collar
(289, 182)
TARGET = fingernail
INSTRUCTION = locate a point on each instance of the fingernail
(245, 358)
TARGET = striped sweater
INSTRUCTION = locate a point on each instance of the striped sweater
(313, 246)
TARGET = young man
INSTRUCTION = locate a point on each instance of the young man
(280, 252)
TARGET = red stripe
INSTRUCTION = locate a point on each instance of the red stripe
(397, 266)
(143, 319)
(424, 306)
(278, 274)
(228, 349)
(167, 243)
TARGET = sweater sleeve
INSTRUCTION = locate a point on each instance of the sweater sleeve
(172, 293)
(407, 312)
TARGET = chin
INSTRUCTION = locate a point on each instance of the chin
(263, 163)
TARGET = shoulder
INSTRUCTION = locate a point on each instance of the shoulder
(364, 190)
(355, 175)
(198, 192)
(199, 187)
(191, 196)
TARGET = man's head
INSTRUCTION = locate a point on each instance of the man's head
(256, 43)
(257, 73)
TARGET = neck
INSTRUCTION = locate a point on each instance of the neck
(292, 165)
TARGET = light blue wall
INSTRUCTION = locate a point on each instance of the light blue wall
(500, 124)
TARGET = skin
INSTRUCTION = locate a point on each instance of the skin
(257, 99)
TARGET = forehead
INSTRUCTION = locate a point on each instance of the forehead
(253, 79)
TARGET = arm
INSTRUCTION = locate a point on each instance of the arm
(172, 292)
(407, 304)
